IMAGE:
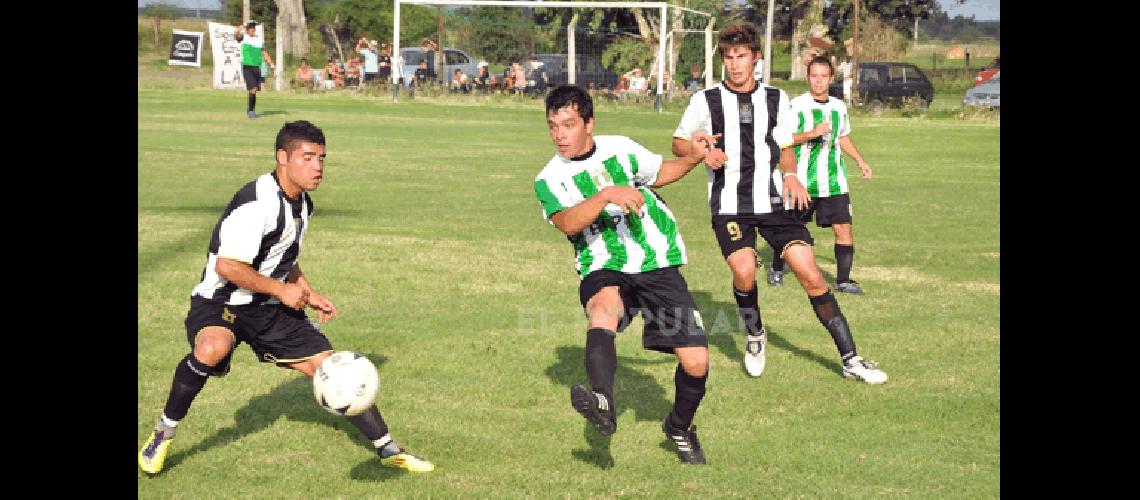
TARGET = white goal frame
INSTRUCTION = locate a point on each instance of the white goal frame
(397, 69)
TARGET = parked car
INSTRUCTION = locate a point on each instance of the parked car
(453, 58)
(889, 83)
(988, 72)
(589, 70)
(987, 94)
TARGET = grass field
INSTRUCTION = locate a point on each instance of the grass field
(428, 237)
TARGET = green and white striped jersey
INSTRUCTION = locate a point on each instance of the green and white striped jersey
(820, 161)
(633, 243)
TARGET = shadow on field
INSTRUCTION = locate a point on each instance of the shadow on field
(632, 390)
(726, 331)
(292, 400)
(272, 112)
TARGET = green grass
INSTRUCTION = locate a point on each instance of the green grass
(428, 237)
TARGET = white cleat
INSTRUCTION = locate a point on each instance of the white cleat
(862, 369)
(754, 349)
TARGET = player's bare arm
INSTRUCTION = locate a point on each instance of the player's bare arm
(326, 310)
(715, 158)
(794, 192)
(692, 152)
(849, 147)
(821, 128)
(244, 276)
(576, 218)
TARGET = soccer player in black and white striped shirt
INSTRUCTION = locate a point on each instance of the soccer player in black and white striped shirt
(746, 196)
(253, 291)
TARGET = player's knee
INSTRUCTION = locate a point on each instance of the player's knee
(696, 364)
(212, 347)
(743, 268)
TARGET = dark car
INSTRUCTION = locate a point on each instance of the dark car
(889, 83)
(589, 70)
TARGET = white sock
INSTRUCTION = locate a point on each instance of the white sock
(379, 443)
(168, 422)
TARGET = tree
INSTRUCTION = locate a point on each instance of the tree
(159, 11)
(291, 23)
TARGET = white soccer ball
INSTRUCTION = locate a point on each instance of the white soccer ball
(346, 383)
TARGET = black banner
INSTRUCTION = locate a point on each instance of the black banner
(186, 48)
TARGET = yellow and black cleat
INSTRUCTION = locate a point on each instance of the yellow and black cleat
(405, 460)
(153, 453)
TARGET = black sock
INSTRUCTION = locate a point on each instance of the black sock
(251, 102)
(189, 379)
(844, 255)
(777, 262)
(689, 392)
(827, 310)
(601, 361)
(748, 305)
(370, 423)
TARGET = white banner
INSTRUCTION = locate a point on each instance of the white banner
(186, 48)
(227, 56)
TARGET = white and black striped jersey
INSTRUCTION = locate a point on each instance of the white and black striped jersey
(754, 126)
(260, 227)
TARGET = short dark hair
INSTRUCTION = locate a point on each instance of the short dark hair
(738, 33)
(570, 95)
(821, 60)
(251, 24)
(293, 133)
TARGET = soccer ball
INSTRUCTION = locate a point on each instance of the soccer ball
(346, 383)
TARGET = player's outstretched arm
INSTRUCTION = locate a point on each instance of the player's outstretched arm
(576, 218)
(243, 275)
(689, 152)
(714, 159)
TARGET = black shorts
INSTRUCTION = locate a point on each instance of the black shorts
(830, 210)
(368, 77)
(385, 72)
(663, 299)
(276, 333)
(779, 229)
(252, 76)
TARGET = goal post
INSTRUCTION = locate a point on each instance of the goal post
(663, 28)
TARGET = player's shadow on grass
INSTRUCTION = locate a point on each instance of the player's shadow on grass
(726, 330)
(292, 400)
(272, 112)
(633, 390)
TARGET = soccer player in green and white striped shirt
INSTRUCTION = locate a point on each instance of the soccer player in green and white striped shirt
(598, 192)
(823, 128)
(252, 54)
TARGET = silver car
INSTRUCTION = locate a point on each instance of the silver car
(453, 58)
(987, 94)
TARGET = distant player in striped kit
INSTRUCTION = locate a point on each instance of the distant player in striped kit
(822, 128)
(598, 192)
(747, 197)
(252, 290)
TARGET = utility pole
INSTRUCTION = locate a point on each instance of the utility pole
(768, 45)
(244, 11)
(855, 54)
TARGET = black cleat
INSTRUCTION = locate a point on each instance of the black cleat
(688, 446)
(594, 407)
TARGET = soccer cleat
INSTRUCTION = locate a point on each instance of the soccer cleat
(153, 453)
(865, 370)
(251, 115)
(405, 460)
(775, 278)
(596, 408)
(754, 353)
(851, 287)
(688, 446)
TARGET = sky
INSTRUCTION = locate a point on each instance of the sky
(982, 10)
